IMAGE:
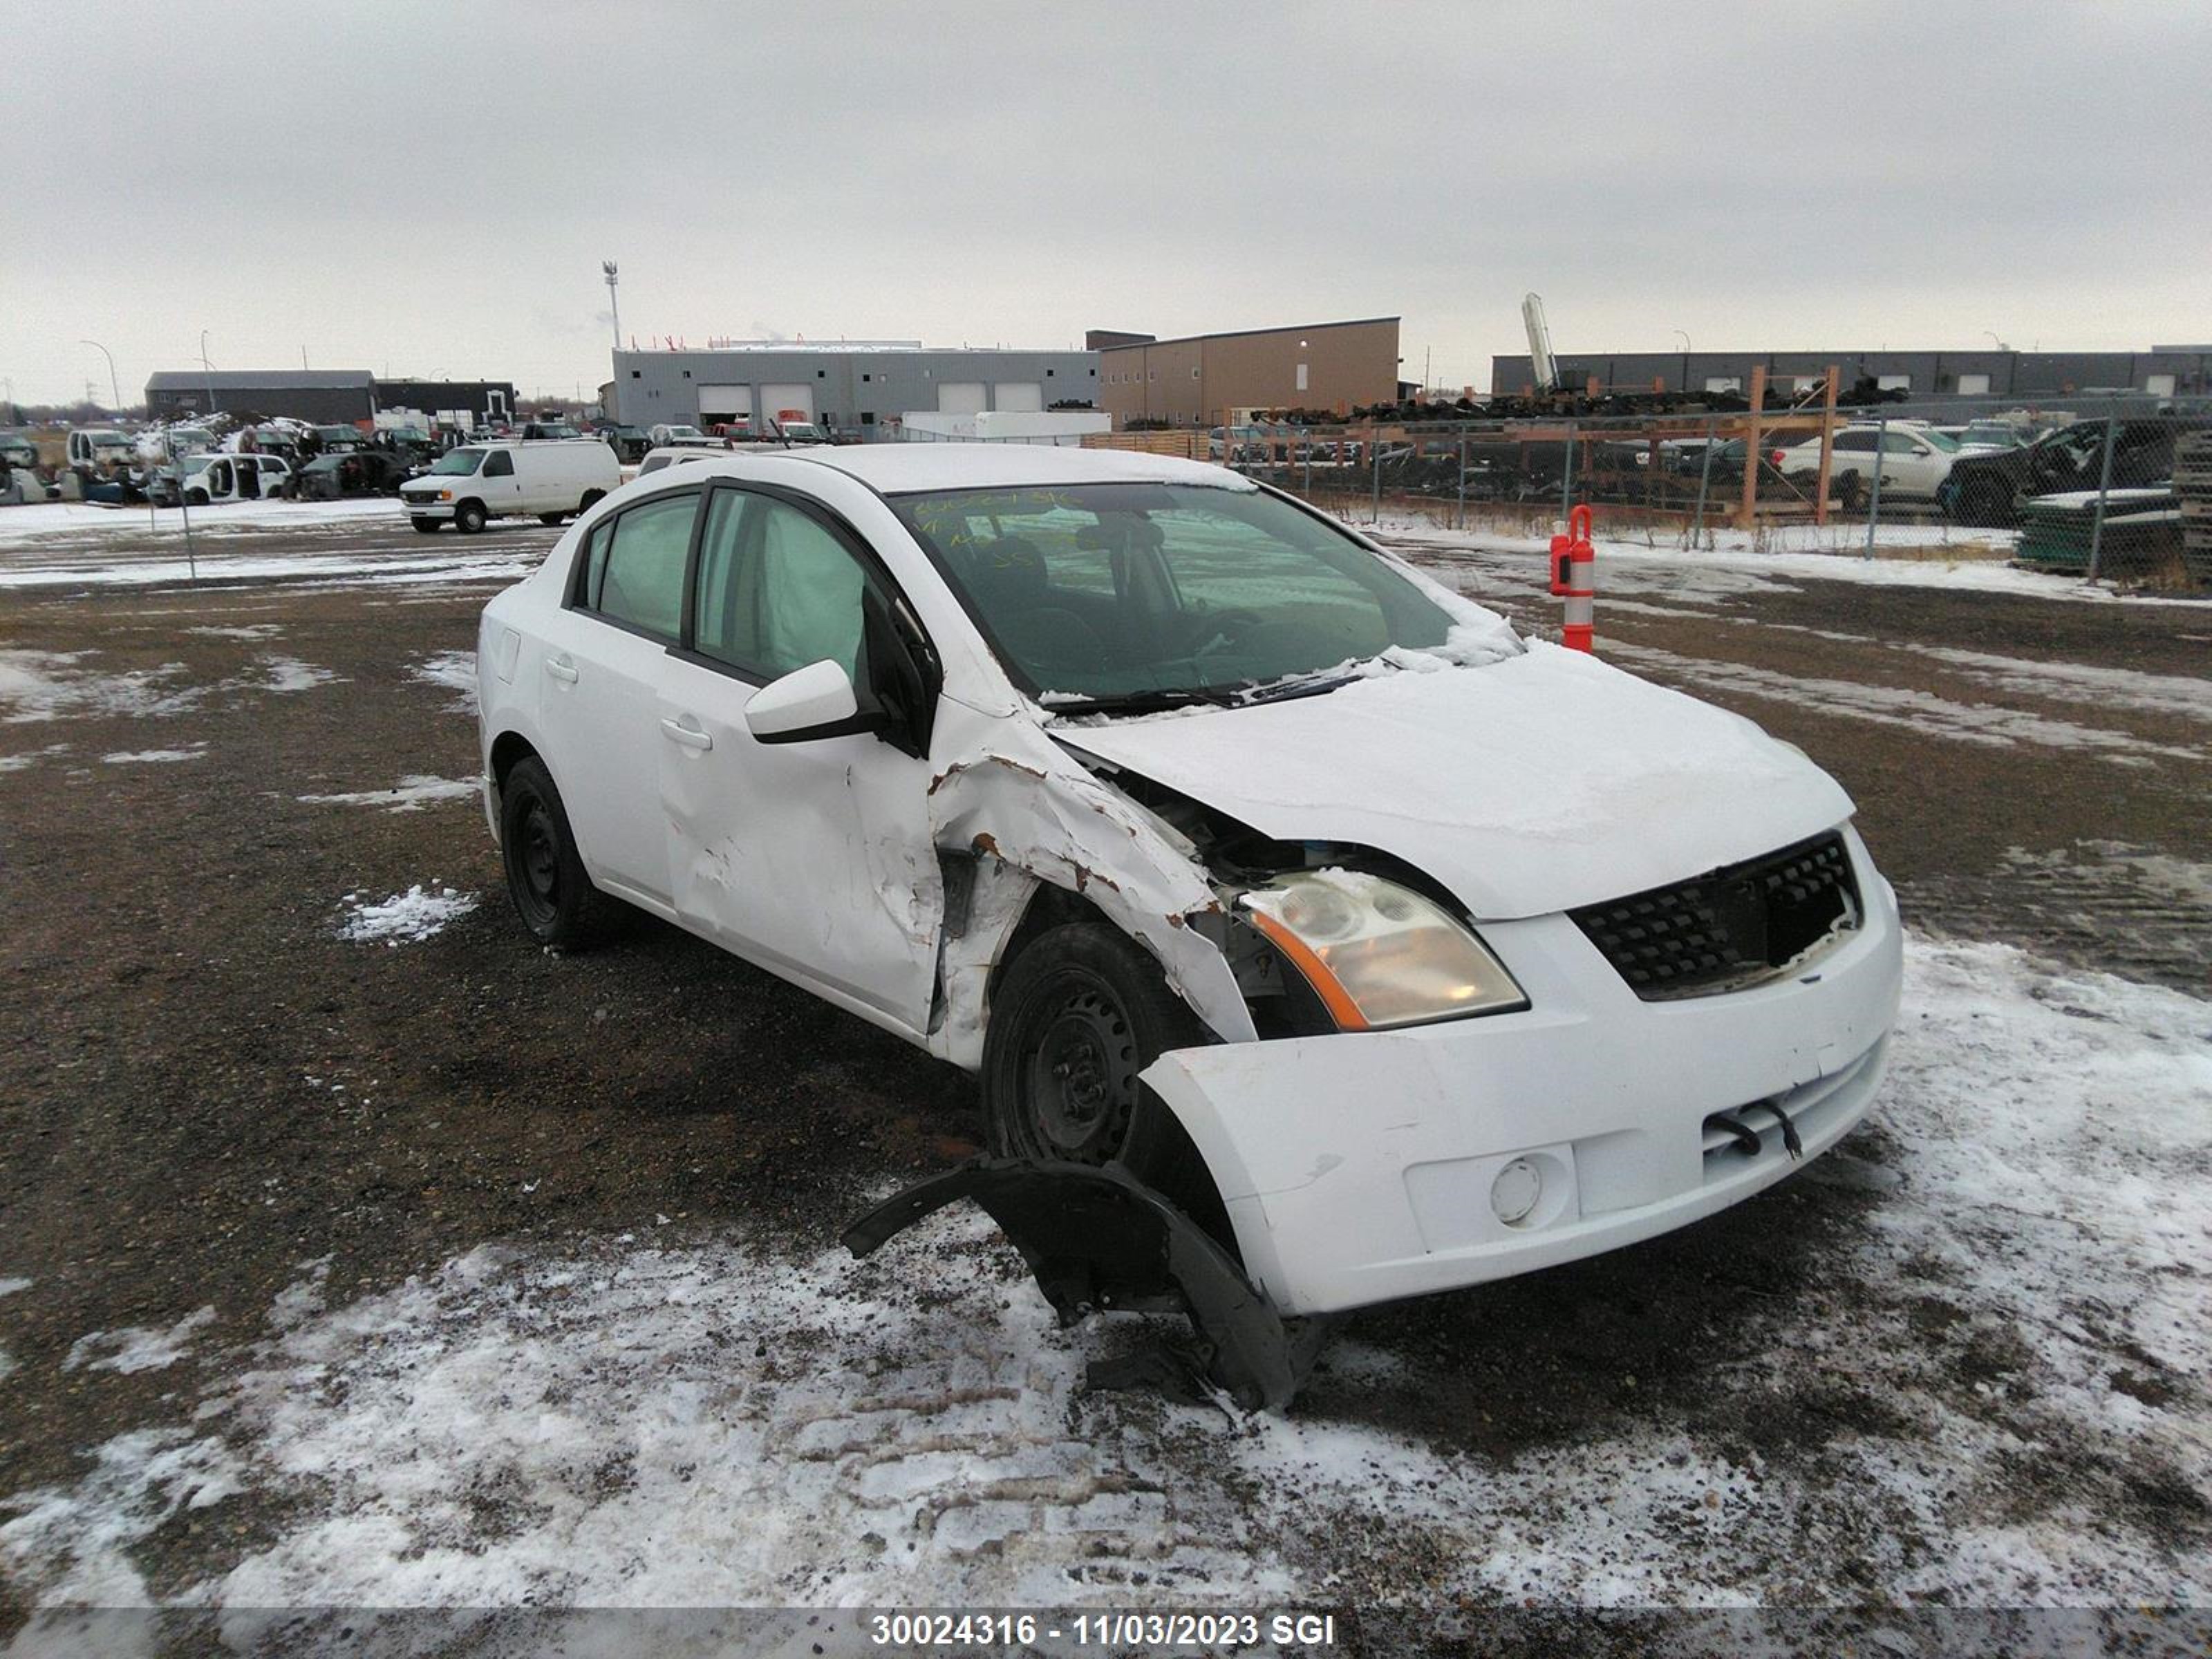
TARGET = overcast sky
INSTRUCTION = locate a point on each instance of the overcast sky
(429, 188)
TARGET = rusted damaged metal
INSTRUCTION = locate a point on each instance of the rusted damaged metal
(1050, 820)
(1098, 1240)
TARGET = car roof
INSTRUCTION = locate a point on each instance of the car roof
(894, 469)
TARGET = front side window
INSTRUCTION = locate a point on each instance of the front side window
(458, 464)
(634, 567)
(500, 464)
(1117, 590)
(1855, 442)
(777, 590)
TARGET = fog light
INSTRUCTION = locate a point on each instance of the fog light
(1515, 1193)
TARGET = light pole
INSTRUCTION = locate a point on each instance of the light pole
(614, 311)
(207, 369)
(114, 386)
(1684, 336)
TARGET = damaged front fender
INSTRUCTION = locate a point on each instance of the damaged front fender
(1098, 1239)
(1039, 817)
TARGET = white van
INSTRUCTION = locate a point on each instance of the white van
(478, 483)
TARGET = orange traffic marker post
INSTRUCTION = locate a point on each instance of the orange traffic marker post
(1574, 578)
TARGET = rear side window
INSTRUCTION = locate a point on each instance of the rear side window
(634, 567)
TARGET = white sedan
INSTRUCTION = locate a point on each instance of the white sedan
(1913, 459)
(1235, 855)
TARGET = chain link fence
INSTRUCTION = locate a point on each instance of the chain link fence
(2112, 487)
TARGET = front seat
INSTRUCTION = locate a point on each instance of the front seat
(1014, 588)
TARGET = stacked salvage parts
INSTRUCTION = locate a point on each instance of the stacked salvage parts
(2192, 488)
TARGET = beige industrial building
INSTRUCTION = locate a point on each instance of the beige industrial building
(1204, 379)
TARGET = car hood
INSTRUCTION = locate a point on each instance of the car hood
(1542, 783)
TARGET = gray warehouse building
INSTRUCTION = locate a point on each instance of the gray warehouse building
(860, 384)
(326, 397)
(2161, 371)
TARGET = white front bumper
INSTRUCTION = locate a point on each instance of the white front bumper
(416, 509)
(1358, 1168)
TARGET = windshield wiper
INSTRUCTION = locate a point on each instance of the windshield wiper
(1284, 690)
(1150, 703)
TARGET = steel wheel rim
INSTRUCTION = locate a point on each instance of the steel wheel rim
(1081, 1078)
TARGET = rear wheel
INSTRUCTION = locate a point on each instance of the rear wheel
(469, 517)
(428, 527)
(592, 499)
(1078, 1016)
(546, 876)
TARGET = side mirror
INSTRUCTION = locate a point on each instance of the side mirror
(814, 701)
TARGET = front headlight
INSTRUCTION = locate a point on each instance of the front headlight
(1378, 954)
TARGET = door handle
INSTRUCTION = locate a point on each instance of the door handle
(689, 736)
(560, 669)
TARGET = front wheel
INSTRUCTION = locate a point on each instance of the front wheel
(551, 518)
(469, 517)
(1985, 503)
(428, 527)
(545, 875)
(1078, 1015)
(196, 497)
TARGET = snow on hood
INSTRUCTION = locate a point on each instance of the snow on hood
(1539, 783)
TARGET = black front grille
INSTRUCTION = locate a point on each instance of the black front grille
(1729, 928)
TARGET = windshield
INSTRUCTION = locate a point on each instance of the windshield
(1943, 441)
(197, 463)
(1113, 592)
(458, 463)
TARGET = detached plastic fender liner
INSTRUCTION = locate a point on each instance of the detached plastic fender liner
(1096, 1238)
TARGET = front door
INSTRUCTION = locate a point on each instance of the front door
(601, 666)
(814, 859)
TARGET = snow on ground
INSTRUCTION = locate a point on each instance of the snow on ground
(411, 794)
(46, 685)
(8, 1287)
(499, 563)
(623, 1422)
(405, 918)
(77, 521)
(146, 756)
(1895, 705)
(250, 631)
(137, 1347)
(30, 757)
(1972, 561)
(453, 669)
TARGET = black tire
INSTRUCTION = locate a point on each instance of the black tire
(1075, 1018)
(428, 527)
(551, 518)
(592, 499)
(545, 878)
(196, 497)
(469, 517)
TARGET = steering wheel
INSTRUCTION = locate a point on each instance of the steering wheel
(1220, 629)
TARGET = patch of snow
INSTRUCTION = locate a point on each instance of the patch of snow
(137, 1347)
(10, 1286)
(252, 631)
(456, 670)
(406, 918)
(290, 674)
(30, 757)
(46, 685)
(1916, 710)
(615, 1424)
(137, 756)
(411, 794)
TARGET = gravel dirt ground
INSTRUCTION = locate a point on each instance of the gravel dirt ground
(210, 1096)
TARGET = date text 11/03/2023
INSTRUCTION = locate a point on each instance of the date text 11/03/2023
(927, 1631)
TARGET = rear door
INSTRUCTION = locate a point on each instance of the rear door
(601, 667)
(813, 859)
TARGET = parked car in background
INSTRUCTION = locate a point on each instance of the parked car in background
(1987, 490)
(1993, 434)
(477, 483)
(17, 450)
(356, 472)
(629, 443)
(217, 476)
(656, 459)
(334, 440)
(668, 436)
(1912, 459)
(547, 431)
(878, 720)
(101, 449)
